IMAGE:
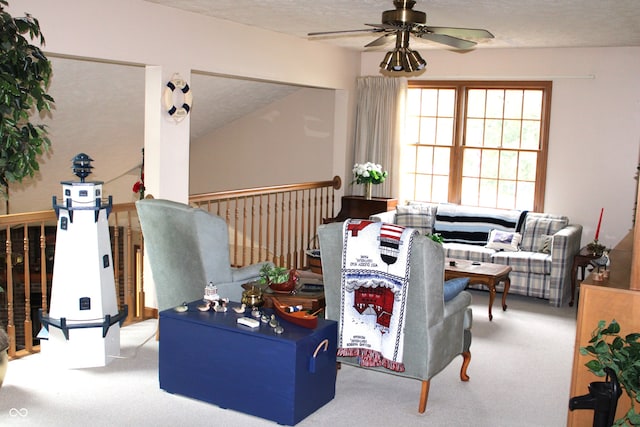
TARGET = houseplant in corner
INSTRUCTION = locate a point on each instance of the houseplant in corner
(24, 76)
(4, 356)
(622, 356)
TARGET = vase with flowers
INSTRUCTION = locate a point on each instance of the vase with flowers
(368, 174)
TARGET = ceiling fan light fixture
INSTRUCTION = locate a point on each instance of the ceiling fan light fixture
(397, 60)
(386, 62)
(415, 60)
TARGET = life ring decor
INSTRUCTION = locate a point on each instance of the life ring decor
(180, 110)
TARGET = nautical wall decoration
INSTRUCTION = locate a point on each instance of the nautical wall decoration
(177, 98)
(82, 328)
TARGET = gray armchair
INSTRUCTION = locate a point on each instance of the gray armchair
(435, 332)
(187, 248)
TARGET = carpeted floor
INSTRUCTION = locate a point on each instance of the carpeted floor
(520, 375)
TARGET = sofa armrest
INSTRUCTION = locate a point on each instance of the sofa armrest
(566, 244)
(389, 217)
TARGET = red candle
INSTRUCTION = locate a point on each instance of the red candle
(599, 222)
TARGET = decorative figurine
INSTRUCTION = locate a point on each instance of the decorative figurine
(240, 309)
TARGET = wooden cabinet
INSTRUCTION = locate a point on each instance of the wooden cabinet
(360, 208)
(618, 298)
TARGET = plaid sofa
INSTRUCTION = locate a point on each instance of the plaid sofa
(539, 247)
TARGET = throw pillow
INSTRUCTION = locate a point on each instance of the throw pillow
(545, 244)
(503, 240)
(538, 225)
(416, 216)
(453, 287)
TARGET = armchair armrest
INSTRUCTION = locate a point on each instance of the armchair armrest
(247, 273)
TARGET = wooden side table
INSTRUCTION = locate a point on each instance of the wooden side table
(361, 208)
(581, 260)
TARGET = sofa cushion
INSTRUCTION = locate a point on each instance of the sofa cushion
(418, 216)
(526, 262)
(472, 225)
(470, 252)
(538, 225)
(503, 240)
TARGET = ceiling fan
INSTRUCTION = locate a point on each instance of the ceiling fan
(402, 22)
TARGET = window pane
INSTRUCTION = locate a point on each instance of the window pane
(471, 162)
(511, 134)
(532, 104)
(508, 165)
(423, 187)
(440, 192)
(506, 194)
(409, 158)
(489, 166)
(427, 130)
(424, 163)
(495, 103)
(413, 101)
(470, 191)
(407, 186)
(525, 196)
(441, 161)
(445, 131)
(513, 104)
(475, 103)
(530, 135)
(446, 102)
(493, 133)
(429, 102)
(411, 127)
(488, 191)
(474, 133)
(527, 166)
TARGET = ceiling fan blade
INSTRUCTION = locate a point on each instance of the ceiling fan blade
(380, 40)
(448, 40)
(467, 33)
(366, 30)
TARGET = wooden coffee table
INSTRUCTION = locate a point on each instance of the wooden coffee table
(483, 273)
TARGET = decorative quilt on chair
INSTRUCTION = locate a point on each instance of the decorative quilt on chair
(375, 277)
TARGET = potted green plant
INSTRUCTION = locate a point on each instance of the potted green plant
(620, 354)
(4, 354)
(279, 279)
(24, 77)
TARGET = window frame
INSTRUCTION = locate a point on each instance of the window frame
(456, 160)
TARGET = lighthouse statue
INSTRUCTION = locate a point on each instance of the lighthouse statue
(83, 322)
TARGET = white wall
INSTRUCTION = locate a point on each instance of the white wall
(289, 141)
(139, 32)
(595, 123)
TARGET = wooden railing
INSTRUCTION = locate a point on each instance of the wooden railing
(277, 223)
(28, 270)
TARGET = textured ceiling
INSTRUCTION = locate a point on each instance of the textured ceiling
(514, 23)
(84, 97)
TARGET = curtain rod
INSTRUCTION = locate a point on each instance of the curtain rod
(549, 77)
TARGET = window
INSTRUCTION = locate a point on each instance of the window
(476, 143)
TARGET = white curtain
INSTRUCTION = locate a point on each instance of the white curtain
(379, 117)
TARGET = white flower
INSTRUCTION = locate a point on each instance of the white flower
(368, 172)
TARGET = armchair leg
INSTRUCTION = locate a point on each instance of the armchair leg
(466, 359)
(424, 395)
